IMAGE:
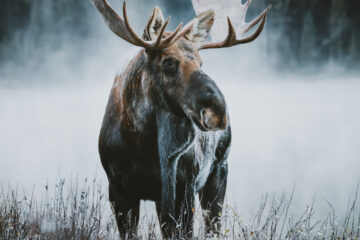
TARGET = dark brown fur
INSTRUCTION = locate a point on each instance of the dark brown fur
(149, 139)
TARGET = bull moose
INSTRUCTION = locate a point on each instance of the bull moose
(166, 134)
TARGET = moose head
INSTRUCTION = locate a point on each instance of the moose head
(174, 64)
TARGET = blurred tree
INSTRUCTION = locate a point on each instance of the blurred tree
(314, 31)
(28, 25)
(308, 44)
(14, 15)
(339, 34)
(353, 13)
(298, 32)
(320, 10)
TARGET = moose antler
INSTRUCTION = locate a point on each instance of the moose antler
(121, 27)
(236, 9)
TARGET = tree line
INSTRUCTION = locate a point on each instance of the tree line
(298, 33)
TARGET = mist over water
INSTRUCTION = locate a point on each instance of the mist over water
(289, 129)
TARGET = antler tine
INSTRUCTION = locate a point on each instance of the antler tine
(253, 36)
(160, 43)
(121, 27)
(161, 33)
(173, 34)
(231, 35)
(185, 30)
(255, 21)
(231, 40)
(138, 41)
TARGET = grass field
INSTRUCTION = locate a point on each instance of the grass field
(79, 210)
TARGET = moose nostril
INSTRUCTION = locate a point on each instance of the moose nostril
(209, 119)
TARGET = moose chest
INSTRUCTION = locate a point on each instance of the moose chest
(138, 169)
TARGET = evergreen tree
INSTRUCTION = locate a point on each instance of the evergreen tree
(309, 50)
(297, 30)
(338, 23)
(353, 56)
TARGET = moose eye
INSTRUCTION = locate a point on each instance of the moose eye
(170, 65)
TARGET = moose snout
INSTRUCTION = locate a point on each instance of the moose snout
(208, 103)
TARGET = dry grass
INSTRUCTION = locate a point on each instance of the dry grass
(72, 213)
(81, 211)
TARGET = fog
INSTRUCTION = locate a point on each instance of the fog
(290, 130)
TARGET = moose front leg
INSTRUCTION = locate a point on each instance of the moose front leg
(175, 136)
(168, 194)
(126, 210)
(212, 197)
(184, 208)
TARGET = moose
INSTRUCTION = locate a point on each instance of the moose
(166, 133)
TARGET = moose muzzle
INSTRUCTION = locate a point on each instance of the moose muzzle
(208, 103)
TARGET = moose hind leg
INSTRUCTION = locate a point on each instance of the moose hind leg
(167, 228)
(212, 197)
(126, 211)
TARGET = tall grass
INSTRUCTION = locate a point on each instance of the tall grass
(80, 210)
(76, 212)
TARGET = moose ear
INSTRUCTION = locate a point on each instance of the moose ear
(202, 26)
(154, 24)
